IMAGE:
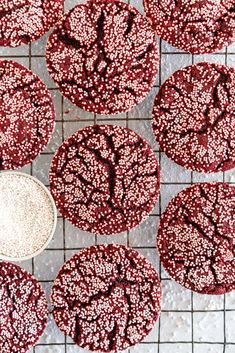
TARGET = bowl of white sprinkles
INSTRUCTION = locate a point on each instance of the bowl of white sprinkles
(28, 216)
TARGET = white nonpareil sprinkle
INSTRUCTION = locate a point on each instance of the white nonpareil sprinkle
(26, 216)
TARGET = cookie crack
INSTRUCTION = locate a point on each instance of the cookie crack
(130, 21)
(67, 40)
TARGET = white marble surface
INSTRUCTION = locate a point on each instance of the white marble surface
(178, 326)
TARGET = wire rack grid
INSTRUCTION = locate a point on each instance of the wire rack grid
(189, 323)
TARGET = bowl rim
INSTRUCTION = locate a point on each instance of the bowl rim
(52, 202)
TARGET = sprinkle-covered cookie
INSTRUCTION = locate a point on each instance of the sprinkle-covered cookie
(103, 56)
(26, 115)
(106, 298)
(23, 309)
(196, 238)
(196, 26)
(193, 117)
(105, 179)
(24, 21)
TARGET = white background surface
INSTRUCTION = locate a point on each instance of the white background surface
(189, 323)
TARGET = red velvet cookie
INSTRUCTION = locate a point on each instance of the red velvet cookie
(103, 56)
(193, 117)
(26, 115)
(23, 309)
(106, 298)
(23, 21)
(105, 179)
(198, 26)
(196, 238)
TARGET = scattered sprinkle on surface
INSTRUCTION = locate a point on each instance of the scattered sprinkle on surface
(196, 26)
(106, 298)
(103, 56)
(23, 309)
(26, 216)
(193, 117)
(23, 21)
(105, 179)
(196, 238)
(26, 115)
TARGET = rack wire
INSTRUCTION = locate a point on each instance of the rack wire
(189, 323)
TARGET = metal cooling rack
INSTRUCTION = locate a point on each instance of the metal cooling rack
(189, 323)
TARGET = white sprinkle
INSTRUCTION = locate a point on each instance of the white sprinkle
(26, 215)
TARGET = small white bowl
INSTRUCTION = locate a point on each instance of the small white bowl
(53, 206)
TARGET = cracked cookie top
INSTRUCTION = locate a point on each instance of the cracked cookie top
(26, 115)
(105, 179)
(196, 26)
(196, 239)
(193, 117)
(103, 56)
(24, 21)
(23, 309)
(106, 298)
